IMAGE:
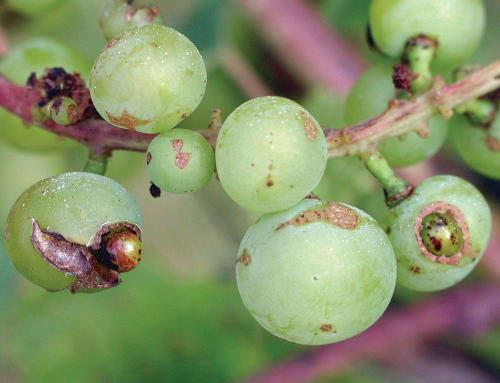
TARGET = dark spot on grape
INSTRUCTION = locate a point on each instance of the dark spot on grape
(388, 230)
(112, 42)
(269, 183)
(334, 213)
(149, 157)
(154, 45)
(184, 115)
(326, 327)
(415, 269)
(436, 243)
(154, 190)
(245, 258)
(315, 278)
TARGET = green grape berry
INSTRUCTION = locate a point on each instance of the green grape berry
(35, 55)
(180, 161)
(316, 273)
(369, 97)
(148, 79)
(270, 154)
(117, 16)
(439, 233)
(64, 110)
(74, 231)
(478, 146)
(456, 25)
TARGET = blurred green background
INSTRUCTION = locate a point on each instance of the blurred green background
(178, 317)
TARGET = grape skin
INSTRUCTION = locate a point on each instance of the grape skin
(417, 272)
(148, 79)
(316, 282)
(180, 161)
(457, 25)
(270, 153)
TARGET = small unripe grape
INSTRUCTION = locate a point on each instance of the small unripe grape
(148, 79)
(316, 273)
(117, 16)
(180, 161)
(55, 230)
(456, 25)
(64, 111)
(439, 233)
(270, 154)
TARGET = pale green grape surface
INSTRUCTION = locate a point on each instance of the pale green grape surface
(479, 150)
(180, 161)
(457, 25)
(369, 97)
(316, 273)
(415, 270)
(148, 79)
(270, 153)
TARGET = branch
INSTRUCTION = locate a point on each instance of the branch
(404, 116)
(465, 310)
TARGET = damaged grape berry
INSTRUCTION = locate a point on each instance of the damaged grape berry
(74, 231)
(316, 273)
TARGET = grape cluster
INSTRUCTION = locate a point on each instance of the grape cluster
(310, 271)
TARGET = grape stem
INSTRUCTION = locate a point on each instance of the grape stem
(402, 116)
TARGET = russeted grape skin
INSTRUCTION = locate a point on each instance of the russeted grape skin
(180, 161)
(470, 142)
(316, 282)
(75, 205)
(148, 79)
(457, 25)
(417, 272)
(270, 153)
(369, 97)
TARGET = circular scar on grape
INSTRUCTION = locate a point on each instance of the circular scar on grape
(334, 213)
(456, 215)
(126, 120)
(310, 128)
(245, 258)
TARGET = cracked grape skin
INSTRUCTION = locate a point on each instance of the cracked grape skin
(417, 272)
(75, 205)
(316, 282)
(180, 161)
(457, 25)
(148, 79)
(270, 154)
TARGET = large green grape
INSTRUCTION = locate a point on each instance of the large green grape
(35, 55)
(457, 26)
(80, 207)
(316, 273)
(439, 233)
(369, 97)
(476, 146)
(180, 161)
(270, 153)
(148, 79)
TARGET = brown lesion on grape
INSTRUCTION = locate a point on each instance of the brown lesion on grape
(149, 157)
(244, 258)
(415, 269)
(454, 213)
(311, 130)
(126, 120)
(334, 213)
(181, 159)
(326, 327)
(112, 42)
(79, 260)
